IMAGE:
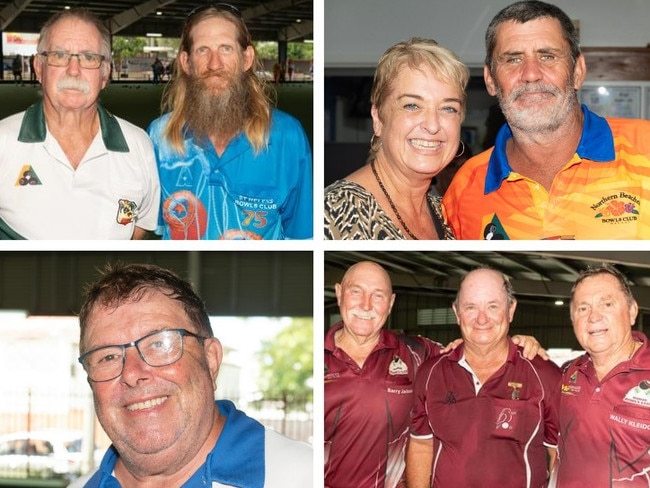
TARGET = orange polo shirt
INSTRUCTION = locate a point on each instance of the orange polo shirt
(603, 192)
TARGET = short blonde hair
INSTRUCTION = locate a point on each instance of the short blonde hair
(415, 53)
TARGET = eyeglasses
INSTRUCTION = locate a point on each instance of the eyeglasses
(160, 348)
(217, 6)
(61, 59)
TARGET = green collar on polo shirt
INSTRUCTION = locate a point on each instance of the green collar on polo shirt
(33, 128)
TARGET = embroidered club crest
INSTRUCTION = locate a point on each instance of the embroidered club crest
(126, 211)
(398, 367)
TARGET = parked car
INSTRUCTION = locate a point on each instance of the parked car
(42, 454)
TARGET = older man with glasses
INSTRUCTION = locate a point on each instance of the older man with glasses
(152, 363)
(68, 168)
(231, 166)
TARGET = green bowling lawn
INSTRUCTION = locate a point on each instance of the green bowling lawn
(139, 103)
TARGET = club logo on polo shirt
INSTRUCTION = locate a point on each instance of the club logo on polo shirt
(617, 208)
(398, 367)
(639, 395)
(494, 231)
(27, 176)
(127, 211)
(506, 419)
(450, 398)
(573, 388)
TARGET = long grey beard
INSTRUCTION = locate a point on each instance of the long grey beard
(216, 114)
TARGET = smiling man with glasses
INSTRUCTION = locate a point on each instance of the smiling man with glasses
(68, 168)
(152, 361)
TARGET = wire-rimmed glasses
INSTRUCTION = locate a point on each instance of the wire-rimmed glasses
(159, 348)
(61, 59)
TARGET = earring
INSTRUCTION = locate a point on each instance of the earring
(375, 143)
(462, 150)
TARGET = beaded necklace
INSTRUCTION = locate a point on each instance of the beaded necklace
(390, 202)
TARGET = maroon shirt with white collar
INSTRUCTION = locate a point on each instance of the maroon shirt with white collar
(605, 425)
(488, 435)
(367, 410)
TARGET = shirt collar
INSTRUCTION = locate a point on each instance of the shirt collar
(33, 128)
(387, 339)
(237, 459)
(639, 360)
(459, 353)
(596, 144)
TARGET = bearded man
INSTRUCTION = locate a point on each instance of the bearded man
(557, 170)
(230, 165)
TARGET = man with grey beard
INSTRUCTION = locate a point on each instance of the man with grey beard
(68, 168)
(230, 165)
(557, 170)
(368, 382)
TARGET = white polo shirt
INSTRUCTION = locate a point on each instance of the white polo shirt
(114, 188)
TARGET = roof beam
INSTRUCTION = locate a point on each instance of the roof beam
(132, 15)
(290, 32)
(266, 7)
(11, 11)
(296, 31)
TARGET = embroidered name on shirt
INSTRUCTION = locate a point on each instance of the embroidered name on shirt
(401, 391)
(256, 203)
(632, 423)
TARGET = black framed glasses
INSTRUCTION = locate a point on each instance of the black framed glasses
(159, 348)
(217, 6)
(62, 59)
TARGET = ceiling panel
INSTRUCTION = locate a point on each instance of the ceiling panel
(535, 275)
(251, 283)
(274, 20)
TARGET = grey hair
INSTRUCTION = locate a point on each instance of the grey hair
(507, 284)
(525, 11)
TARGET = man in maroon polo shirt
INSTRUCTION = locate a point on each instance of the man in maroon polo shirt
(491, 413)
(369, 375)
(605, 401)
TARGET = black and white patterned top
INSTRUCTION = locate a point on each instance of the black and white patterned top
(352, 213)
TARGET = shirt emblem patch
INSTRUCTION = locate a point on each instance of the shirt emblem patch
(619, 208)
(398, 367)
(27, 176)
(127, 211)
(506, 419)
(570, 390)
(639, 395)
(185, 215)
(494, 231)
(185, 178)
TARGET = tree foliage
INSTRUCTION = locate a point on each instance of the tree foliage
(300, 50)
(126, 47)
(286, 364)
(295, 50)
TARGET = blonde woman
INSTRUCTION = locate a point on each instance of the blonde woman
(418, 103)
